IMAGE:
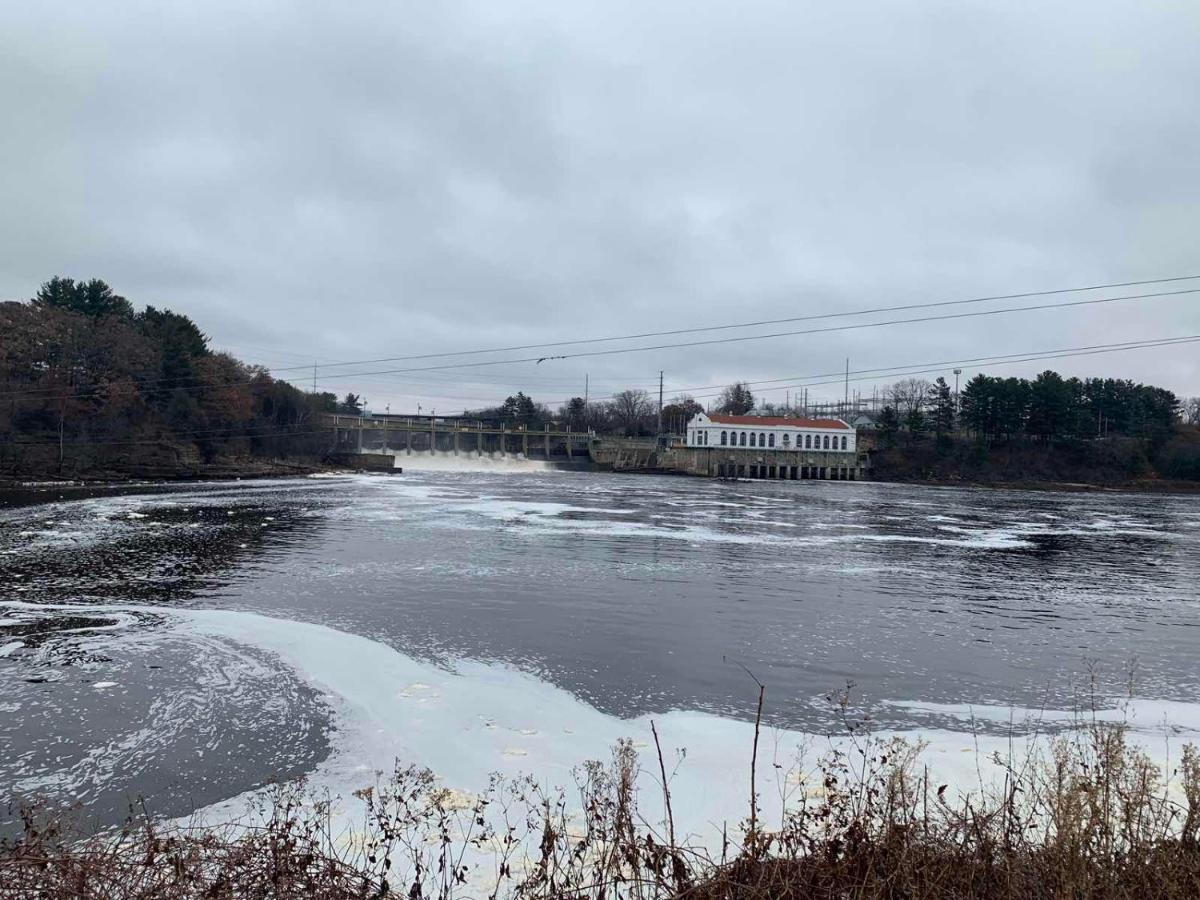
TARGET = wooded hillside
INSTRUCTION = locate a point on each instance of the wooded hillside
(89, 384)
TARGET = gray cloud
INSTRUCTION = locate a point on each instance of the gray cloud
(340, 181)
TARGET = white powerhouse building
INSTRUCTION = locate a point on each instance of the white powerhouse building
(770, 433)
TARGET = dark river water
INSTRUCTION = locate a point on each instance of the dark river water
(636, 594)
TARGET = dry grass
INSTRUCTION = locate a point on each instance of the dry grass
(1088, 816)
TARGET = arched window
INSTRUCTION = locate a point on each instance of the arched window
(771, 440)
(705, 437)
(724, 438)
(787, 439)
(762, 439)
(743, 439)
(826, 447)
(752, 444)
(808, 442)
(843, 442)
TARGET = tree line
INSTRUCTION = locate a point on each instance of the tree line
(631, 412)
(1046, 408)
(87, 381)
(1083, 428)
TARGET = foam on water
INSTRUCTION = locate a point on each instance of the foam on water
(472, 719)
(996, 540)
(505, 509)
(476, 719)
(139, 697)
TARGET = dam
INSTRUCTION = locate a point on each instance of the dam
(414, 434)
(378, 443)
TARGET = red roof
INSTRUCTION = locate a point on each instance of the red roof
(754, 421)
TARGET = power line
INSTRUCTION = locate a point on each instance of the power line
(837, 377)
(941, 365)
(779, 334)
(893, 370)
(765, 322)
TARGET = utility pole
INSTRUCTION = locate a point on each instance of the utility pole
(585, 393)
(660, 402)
(957, 409)
(846, 395)
(314, 377)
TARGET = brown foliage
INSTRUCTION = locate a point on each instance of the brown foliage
(1088, 817)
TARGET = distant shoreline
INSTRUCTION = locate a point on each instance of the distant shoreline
(158, 475)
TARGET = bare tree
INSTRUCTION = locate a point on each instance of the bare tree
(909, 396)
(679, 412)
(1191, 411)
(630, 409)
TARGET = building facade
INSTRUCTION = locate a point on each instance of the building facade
(718, 430)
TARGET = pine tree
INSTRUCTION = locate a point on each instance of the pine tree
(889, 424)
(941, 400)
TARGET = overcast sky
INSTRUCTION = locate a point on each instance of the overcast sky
(342, 181)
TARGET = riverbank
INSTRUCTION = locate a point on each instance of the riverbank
(1087, 816)
(1113, 464)
(217, 471)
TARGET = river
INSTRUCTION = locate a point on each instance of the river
(185, 644)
